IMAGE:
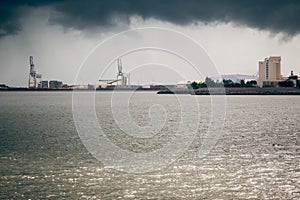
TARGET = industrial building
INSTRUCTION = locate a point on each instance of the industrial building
(53, 84)
(269, 71)
(44, 84)
(294, 78)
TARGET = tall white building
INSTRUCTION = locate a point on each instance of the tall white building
(269, 71)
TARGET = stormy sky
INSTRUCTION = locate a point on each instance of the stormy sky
(60, 34)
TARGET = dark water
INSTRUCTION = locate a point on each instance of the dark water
(42, 156)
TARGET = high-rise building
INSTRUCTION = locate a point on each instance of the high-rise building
(269, 71)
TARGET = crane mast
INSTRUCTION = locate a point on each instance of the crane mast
(121, 77)
(33, 76)
(122, 80)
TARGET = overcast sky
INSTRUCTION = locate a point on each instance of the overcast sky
(60, 35)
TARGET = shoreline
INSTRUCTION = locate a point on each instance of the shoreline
(70, 89)
(200, 91)
(236, 91)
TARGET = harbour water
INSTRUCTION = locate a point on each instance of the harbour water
(42, 156)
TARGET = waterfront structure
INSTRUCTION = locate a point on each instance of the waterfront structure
(122, 80)
(55, 84)
(294, 78)
(183, 84)
(33, 79)
(3, 86)
(44, 84)
(269, 71)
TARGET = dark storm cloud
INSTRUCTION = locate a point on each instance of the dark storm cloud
(12, 10)
(273, 15)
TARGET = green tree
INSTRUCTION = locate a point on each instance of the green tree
(252, 83)
(243, 84)
(194, 85)
(228, 83)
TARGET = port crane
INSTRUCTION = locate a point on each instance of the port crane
(122, 78)
(33, 75)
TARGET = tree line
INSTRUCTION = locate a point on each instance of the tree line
(224, 83)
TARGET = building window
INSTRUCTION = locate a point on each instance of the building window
(267, 71)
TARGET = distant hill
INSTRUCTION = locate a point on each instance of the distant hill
(238, 77)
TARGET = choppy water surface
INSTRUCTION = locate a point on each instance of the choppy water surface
(42, 156)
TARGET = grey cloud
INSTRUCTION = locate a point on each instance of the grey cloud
(12, 10)
(277, 16)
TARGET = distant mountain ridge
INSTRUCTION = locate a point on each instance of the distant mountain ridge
(238, 77)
